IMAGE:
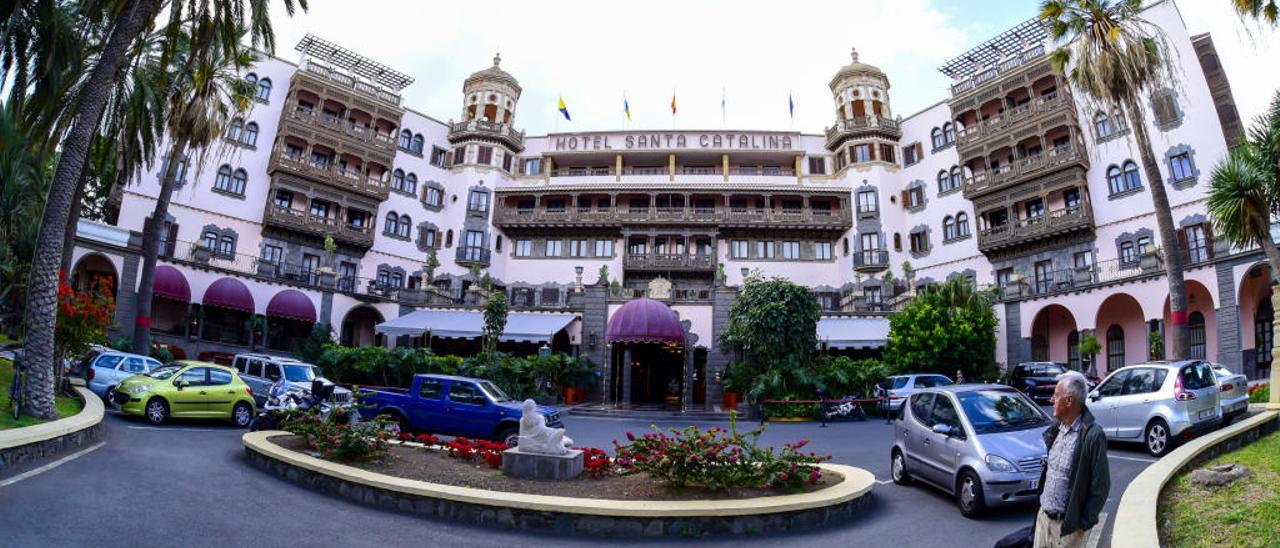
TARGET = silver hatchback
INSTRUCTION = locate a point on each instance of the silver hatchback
(1157, 403)
(980, 442)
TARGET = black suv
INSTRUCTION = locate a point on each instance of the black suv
(1036, 379)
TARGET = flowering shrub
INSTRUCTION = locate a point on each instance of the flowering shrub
(335, 438)
(467, 449)
(596, 464)
(83, 317)
(1260, 393)
(717, 459)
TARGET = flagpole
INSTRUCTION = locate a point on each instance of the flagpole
(722, 108)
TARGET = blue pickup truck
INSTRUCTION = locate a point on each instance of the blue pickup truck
(453, 406)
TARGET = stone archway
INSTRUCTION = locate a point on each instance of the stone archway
(358, 327)
(1122, 333)
(1202, 323)
(1051, 336)
(90, 267)
(1256, 315)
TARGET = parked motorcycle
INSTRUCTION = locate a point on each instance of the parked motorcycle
(283, 401)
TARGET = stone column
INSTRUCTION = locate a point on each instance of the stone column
(1273, 404)
(626, 375)
(606, 375)
(617, 170)
(724, 166)
(671, 167)
(686, 395)
(126, 296)
(1228, 321)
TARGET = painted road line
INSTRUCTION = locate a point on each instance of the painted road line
(1138, 459)
(882, 482)
(1095, 534)
(170, 428)
(51, 466)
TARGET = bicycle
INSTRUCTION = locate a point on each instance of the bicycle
(17, 387)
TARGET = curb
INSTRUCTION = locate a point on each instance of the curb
(1138, 505)
(20, 445)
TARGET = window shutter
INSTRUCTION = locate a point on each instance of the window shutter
(1182, 244)
(1208, 238)
(906, 196)
(919, 151)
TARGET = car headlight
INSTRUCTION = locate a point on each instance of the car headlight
(141, 388)
(999, 464)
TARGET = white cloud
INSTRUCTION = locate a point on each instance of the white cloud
(758, 52)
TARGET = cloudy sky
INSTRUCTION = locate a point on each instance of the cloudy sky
(754, 52)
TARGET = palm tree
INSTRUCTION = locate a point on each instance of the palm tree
(127, 19)
(205, 98)
(1114, 56)
(1262, 11)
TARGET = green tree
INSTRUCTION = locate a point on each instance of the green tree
(1114, 57)
(495, 321)
(313, 346)
(1261, 11)
(946, 327)
(774, 327)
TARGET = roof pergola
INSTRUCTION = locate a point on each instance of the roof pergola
(1025, 34)
(358, 64)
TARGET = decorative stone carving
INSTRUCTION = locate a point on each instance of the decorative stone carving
(660, 288)
(537, 437)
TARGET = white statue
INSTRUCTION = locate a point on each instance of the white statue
(537, 437)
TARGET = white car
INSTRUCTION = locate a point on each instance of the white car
(1158, 403)
(899, 387)
(1233, 393)
(106, 369)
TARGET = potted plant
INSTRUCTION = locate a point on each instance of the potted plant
(1089, 347)
(604, 275)
(615, 288)
(429, 267)
(326, 273)
(731, 394)
(1082, 275)
(1013, 288)
(200, 253)
(1149, 261)
(256, 325)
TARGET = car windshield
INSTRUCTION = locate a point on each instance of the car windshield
(164, 372)
(929, 381)
(299, 373)
(496, 394)
(1045, 370)
(1000, 410)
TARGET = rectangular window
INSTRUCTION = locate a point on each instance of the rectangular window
(524, 248)
(1144, 245)
(912, 154)
(532, 166)
(861, 153)
(506, 163)
(913, 197)
(577, 248)
(817, 166)
(433, 197)
(886, 153)
(822, 251)
(873, 295)
(1127, 253)
(439, 157)
(1180, 166)
(1003, 277)
(868, 201)
(871, 242)
(484, 155)
(272, 254)
(319, 209)
(604, 248)
(459, 156)
(1044, 276)
(1071, 197)
(555, 248)
(1197, 243)
(478, 202)
(790, 250)
(283, 199)
(1035, 209)
(764, 250)
(739, 249)
(919, 242)
(1083, 259)
(310, 266)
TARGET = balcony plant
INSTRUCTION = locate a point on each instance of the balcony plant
(201, 253)
(256, 325)
(1149, 261)
(1089, 347)
(429, 267)
(326, 273)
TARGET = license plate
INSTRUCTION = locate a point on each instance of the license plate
(1236, 406)
(1032, 484)
(1205, 414)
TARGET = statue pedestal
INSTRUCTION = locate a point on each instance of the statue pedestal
(539, 466)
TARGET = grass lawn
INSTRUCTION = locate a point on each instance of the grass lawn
(66, 406)
(1245, 513)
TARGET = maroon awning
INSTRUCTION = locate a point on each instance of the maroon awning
(293, 305)
(171, 284)
(645, 321)
(229, 293)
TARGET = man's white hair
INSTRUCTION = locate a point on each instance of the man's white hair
(1077, 386)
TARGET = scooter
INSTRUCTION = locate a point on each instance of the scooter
(280, 402)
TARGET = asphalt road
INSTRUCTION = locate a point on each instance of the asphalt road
(186, 484)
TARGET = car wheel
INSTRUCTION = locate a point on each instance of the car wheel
(106, 396)
(509, 436)
(242, 414)
(397, 422)
(1157, 438)
(898, 468)
(969, 494)
(157, 410)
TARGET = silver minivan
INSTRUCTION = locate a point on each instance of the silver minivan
(982, 443)
(1157, 403)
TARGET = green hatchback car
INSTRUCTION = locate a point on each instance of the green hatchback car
(187, 389)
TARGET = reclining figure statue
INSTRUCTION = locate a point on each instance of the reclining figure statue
(537, 437)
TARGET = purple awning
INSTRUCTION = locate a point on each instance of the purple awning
(645, 321)
(293, 305)
(229, 293)
(171, 284)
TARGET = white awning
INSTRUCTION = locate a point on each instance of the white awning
(469, 324)
(853, 332)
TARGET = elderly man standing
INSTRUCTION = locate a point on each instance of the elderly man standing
(1076, 477)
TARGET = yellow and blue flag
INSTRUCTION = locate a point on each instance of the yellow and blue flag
(564, 110)
(626, 107)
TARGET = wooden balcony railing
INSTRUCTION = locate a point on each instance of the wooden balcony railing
(1022, 231)
(1002, 124)
(1022, 169)
(346, 80)
(306, 116)
(505, 132)
(670, 261)
(818, 218)
(335, 176)
(862, 123)
(991, 73)
(304, 222)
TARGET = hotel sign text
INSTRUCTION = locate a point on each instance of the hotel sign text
(656, 140)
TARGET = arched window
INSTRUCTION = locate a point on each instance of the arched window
(948, 228)
(226, 246)
(417, 143)
(392, 224)
(239, 180)
(1115, 347)
(937, 138)
(944, 181)
(957, 176)
(406, 138)
(252, 78)
(949, 133)
(497, 244)
(397, 179)
(223, 180)
(403, 229)
(962, 224)
(897, 241)
(235, 129)
(210, 240)
(1131, 177)
(1073, 350)
(411, 183)
(448, 238)
(1195, 336)
(250, 136)
(1102, 125)
(264, 89)
(1115, 180)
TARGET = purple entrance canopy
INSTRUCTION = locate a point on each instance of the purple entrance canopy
(229, 293)
(171, 284)
(645, 321)
(292, 304)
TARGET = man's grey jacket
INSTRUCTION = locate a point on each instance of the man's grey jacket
(1090, 475)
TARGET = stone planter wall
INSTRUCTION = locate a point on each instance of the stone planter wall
(42, 441)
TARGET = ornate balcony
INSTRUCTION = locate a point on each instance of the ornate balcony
(1004, 67)
(862, 125)
(871, 260)
(670, 261)
(507, 217)
(312, 126)
(348, 180)
(341, 80)
(1025, 231)
(305, 223)
(1024, 169)
(487, 131)
(993, 131)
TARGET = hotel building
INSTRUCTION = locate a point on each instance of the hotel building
(1009, 180)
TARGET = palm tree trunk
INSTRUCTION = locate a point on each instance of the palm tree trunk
(73, 220)
(151, 251)
(1176, 332)
(42, 290)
